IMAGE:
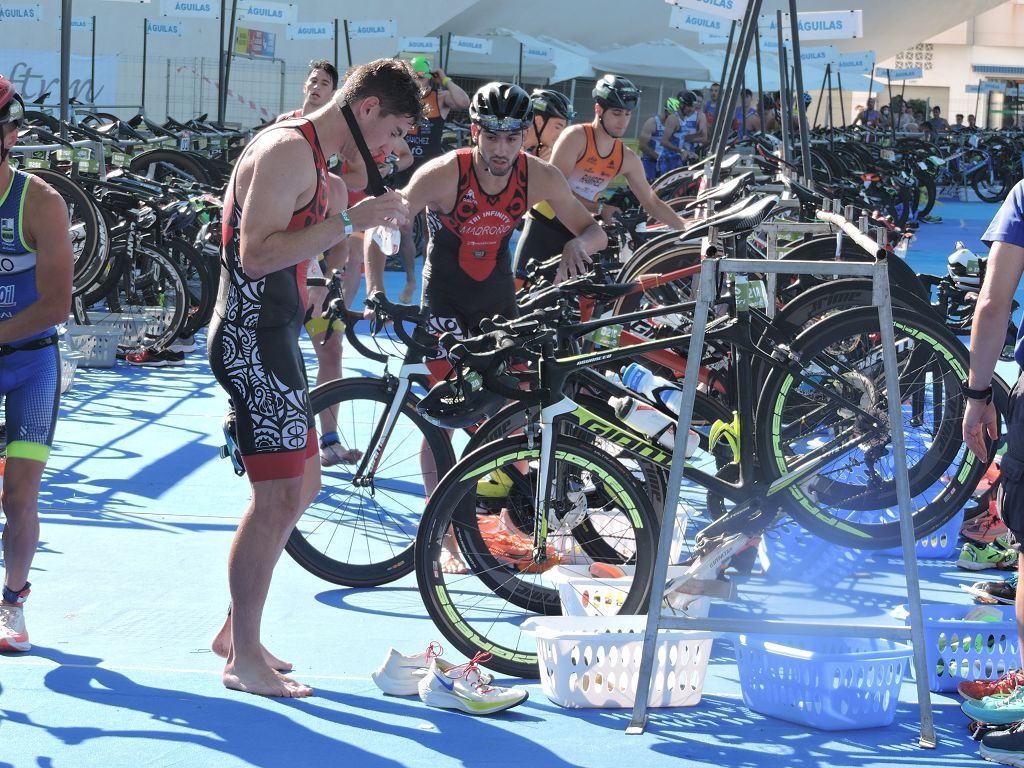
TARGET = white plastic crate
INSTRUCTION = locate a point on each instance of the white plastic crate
(97, 344)
(594, 662)
(69, 360)
(583, 595)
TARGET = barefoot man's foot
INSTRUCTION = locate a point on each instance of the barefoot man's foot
(263, 681)
(221, 646)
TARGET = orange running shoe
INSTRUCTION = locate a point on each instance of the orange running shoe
(976, 690)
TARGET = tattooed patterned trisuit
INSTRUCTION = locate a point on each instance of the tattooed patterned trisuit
(468, 271)
(254, 339)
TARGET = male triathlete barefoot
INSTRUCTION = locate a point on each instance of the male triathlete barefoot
(475, 197)
(277, 220)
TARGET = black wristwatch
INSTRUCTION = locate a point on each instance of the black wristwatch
(978, 394)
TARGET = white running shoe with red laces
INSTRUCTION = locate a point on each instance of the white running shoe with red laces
(13, 635)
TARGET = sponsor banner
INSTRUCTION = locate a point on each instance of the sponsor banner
(818, 56)
(899, 74)
(311, 30)
(856, 62)
(420, 44)
(261, 12)
(173, 28)
(377, 28)
(537, 52)
(478, 45)
(36, 72)
(729, 9)
(21, 12)
(681, 18)
(254, 42)
(818, 25)
(78, 23)
(190, 9)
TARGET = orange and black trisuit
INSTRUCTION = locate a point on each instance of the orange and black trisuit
(544, 235)
(424, 139)
(468, 275)
(254, 338)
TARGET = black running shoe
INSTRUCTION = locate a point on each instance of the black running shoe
(154, 358)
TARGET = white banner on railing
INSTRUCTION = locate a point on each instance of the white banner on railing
(373, 28)
(261, 12)
(991, 86)
(537, 52)
(21, 12)
(821, 56)
(420, 44)
(78, 23)
(171, 28)
(479, 45)
(856, 62)
(683, 18)
(190, 9)
(730, 9)
(311, 30)
(899, 74)
(818, 25)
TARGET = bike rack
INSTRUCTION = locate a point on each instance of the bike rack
(95, 146)
(711, 269)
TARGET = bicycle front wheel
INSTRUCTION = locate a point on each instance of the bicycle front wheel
(824, 426)
(485, 507)
(361, 528)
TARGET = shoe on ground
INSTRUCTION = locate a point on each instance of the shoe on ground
(400, 675)
(978, 557)
(1001, 591)
(1005, 747)
(13, 635)
(462, 688)
(976, 690)
(986, 527)
(154, 358)
(184, 344)
(998, 710)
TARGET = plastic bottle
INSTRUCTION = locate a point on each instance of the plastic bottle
(650, 421)
(641, 380)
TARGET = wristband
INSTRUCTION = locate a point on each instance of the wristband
(347, 222)
(978, 394)
(600, 207)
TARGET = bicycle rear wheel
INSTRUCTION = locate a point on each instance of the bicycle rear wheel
(361, 528)
(597, 513)
(831, 409)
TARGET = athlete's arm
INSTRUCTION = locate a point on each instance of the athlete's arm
(548, 183)
(337, 201)
(451, 98)
(403, 155)
(645, 138)
(281, 178)
(633, 170)
(671, 126)
(45, 229)
(355, 175)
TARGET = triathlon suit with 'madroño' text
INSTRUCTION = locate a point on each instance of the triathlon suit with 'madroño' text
(253, 348)
(467, 275)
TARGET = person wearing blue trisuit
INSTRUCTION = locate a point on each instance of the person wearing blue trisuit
(685, 130)
(35, 296)
(651, 134)
(1005, 266)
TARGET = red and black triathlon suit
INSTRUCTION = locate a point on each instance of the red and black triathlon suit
(468, 270)
(254, 340)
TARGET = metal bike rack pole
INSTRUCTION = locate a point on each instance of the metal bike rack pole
(711, 269)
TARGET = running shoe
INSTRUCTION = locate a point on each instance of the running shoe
(462, 688)
(154, 358)
(977, 557)
(184, 344)
(998, 710)
(13, 635)
(1005, 747)
(986, 527)
(400, 675)
(976, 690)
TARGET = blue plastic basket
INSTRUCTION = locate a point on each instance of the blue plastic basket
(959, 650)
(833, 684)
(939, 544)
(795, 553)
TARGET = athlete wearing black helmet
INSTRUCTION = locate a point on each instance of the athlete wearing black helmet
(686, 130)
(552, 113)
(33, 240)
(590, 156)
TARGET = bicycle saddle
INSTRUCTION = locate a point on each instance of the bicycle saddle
(743, 217)
(724, 193)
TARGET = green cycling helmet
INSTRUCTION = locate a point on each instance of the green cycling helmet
(421, 64)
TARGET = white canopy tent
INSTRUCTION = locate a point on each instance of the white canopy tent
(658, 58)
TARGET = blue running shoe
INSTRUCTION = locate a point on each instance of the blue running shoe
(997, 710)
(1005, 747)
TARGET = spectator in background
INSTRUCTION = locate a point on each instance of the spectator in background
(710, 107)
(868, 116)
(939, 123)
(885, 118)
(972, 123)
(958, 125)
(905, 118)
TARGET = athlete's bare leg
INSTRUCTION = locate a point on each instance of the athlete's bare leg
(221, 646)
(21, 510)
(407, 251)
(275, 508)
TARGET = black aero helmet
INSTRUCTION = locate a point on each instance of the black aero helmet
(501, 107)
(12, 107)
(687, 98)
(614, 92)
(552, 104)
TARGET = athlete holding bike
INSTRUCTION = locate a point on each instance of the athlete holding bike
(35, 275)
(590, 156)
